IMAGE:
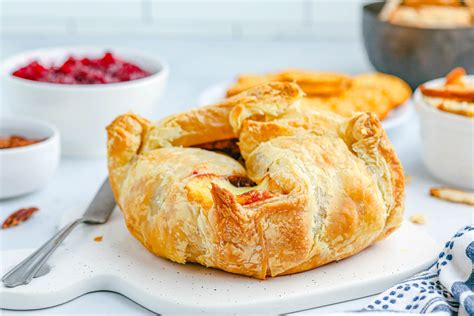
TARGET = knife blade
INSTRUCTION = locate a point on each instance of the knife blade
(99, 210)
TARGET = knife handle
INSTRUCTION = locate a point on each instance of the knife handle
(26, 270)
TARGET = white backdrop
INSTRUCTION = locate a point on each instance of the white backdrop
(170, 19)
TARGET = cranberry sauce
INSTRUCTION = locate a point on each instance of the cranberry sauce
(107, 69)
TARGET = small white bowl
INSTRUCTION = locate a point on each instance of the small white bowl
(447, 142)
(81, 112)
(28, 168)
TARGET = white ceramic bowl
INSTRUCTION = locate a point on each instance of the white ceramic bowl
(447, 142)
(27, 169)
(81, 112)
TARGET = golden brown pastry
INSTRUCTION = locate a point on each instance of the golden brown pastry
(313, 187)
(372, 92)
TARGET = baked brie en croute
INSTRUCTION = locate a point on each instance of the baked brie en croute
(303, 188)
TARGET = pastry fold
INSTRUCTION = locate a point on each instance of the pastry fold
(311, 187)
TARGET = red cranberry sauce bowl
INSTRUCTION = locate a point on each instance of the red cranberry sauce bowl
(80, 71)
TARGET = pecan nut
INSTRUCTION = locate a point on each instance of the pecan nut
(19, 217)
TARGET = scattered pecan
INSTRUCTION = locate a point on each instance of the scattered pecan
(19, 217)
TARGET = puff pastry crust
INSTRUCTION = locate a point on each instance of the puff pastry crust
(312, 187)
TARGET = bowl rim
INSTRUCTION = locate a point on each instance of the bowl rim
(54, 138)
(162, 73)
(365, 9)
(422, 104)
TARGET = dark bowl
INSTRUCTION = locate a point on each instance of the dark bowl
(414, 54)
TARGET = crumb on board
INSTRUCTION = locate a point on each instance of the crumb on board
(418, 219)
(98, 238)
(408, 179)
(453, 195)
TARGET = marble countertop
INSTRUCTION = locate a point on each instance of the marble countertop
(194, 66)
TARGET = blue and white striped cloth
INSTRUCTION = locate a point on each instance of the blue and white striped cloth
(446, 288)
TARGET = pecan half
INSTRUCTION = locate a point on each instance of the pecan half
(19, 217)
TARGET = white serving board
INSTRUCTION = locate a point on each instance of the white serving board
(395, 118)
(120, 264)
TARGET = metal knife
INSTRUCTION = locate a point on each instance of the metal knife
(98, 212)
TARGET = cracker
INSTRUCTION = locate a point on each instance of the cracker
(453, 195)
